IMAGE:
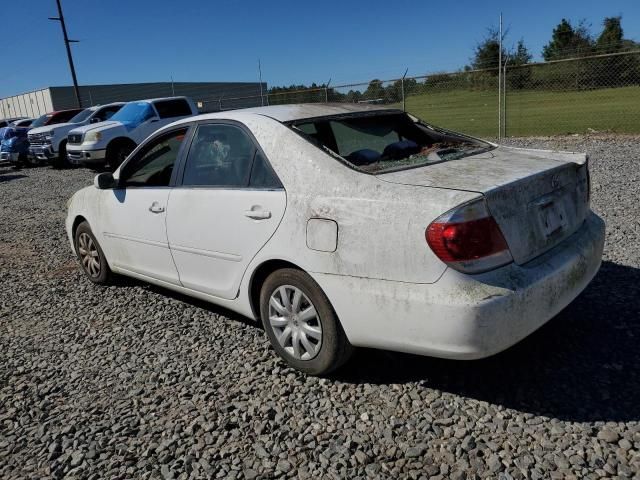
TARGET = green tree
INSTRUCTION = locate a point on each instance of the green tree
(375, 90)
(568, 41)
(487, 52)
(519, 76)
(614, 70)
(610, 39)
(520, 55)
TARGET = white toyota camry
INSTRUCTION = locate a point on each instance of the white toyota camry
(347, 225)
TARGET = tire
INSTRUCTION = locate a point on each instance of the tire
(28, 162)
(22, 162)
(117, 154)
(85, 241)
(61, 160)
(323, 352)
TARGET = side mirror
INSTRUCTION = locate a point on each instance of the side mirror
(104, 181)
(95, 120)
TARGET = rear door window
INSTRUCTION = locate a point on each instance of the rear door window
(221, 155)
(178, 107)
(262, 175)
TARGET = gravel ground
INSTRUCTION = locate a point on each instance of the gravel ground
(134, 381)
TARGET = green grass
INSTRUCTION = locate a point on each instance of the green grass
(532, 112)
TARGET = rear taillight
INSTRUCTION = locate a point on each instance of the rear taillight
(468, 239)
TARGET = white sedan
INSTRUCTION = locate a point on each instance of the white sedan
(347, 225)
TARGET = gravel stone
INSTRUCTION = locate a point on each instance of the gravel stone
(133, 381)
(608, 435)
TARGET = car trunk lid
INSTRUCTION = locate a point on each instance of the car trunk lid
(537, 197)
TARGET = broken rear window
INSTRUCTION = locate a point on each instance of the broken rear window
(383, 142)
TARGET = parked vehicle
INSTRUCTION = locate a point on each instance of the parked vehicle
(52, 118)
(8, 121)
(49, 143)
(25, 122)
(110, 142)
(347, 225)
(14, 145)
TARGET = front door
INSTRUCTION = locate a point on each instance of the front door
(223, 210)
(134, 214)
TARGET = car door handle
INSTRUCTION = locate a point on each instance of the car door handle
(155, 208)
(258, 214)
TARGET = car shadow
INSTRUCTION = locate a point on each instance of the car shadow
(122, 281)
(9, 175)
(583, 365)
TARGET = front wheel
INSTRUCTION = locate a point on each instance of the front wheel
(91, 256)
(61, 160)
(301, 323)
(118, 154)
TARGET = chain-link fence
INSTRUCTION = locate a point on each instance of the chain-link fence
(573, 95)
(577, 95)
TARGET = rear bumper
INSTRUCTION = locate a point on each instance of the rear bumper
(467, 316)
(78, 156)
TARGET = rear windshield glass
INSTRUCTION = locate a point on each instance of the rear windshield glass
(382, 142)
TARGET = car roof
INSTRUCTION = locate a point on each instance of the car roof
(56, 112)
(112, 104)
(151, 100)
(303, 111)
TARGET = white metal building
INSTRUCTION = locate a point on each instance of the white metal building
(206, 94)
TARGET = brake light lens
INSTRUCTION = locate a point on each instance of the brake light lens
(468, 239)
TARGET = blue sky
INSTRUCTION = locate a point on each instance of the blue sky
(298, 42)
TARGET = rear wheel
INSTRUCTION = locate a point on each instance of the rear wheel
(91, 256)
(301, 324)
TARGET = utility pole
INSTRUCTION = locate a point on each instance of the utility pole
(404, 102)
(500, 80)
(260, 80)
(60, 18)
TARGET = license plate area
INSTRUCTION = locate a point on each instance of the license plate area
(552, 216)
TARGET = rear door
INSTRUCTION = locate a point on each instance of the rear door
(226, 206)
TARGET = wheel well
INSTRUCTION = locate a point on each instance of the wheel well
(259, 276)
(116, 142)
(78, 220)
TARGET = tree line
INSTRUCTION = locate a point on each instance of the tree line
(568, 41)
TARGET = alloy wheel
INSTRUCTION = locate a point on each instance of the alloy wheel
(295, 322)
(89, 255)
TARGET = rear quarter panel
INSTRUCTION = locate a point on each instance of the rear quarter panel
(381, 226)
